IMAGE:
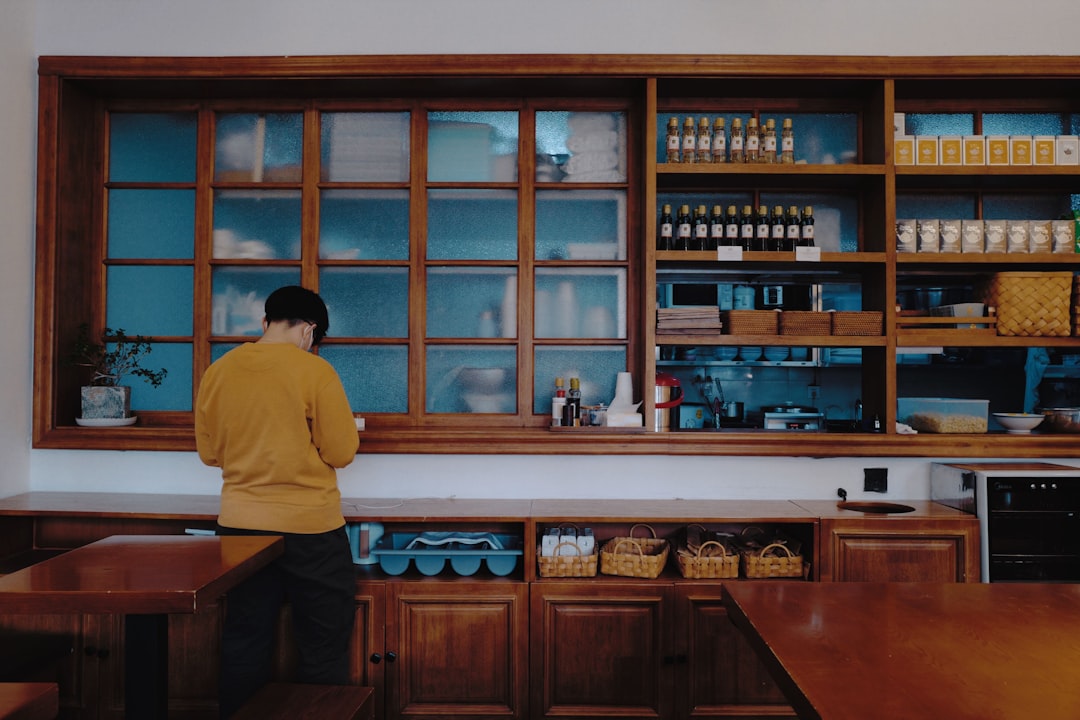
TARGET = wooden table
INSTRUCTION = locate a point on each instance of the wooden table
(898, 651)
(145, 578)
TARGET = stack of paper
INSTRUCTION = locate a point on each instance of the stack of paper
(688, 319)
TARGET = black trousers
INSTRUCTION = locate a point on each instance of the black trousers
(315, 575)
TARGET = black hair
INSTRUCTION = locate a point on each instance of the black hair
(298, 304)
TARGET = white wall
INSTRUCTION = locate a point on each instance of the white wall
(320, 27)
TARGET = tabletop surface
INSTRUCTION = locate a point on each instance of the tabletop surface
(896, 651)
(138, 574)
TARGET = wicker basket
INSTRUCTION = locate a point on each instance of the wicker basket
(865, 322)
(634, 557)
(700, 566)
(567, 565)
(772, 561)
(749, 322)
(1031, 304)
(804, 322)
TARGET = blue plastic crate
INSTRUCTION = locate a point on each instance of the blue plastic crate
(465, 551)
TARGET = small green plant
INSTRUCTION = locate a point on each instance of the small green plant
(121, 356)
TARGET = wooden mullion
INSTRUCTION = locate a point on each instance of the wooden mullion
(204, 248)
(309, 198)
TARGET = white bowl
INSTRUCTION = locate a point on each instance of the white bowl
(750, 353)
(1018, 423)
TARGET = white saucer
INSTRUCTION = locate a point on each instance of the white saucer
(106, 422)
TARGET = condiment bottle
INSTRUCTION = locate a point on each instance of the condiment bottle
(700, 238)
(787, 143)
(665, 239)
(736, 152)
(716, 228)
(684, 228)
(719, 141)
(746, 228)
(762, 231)
(753, 141)
(689, 140)
(731, 227)
(792, 233)
(558, 403)
(704, 141)
(573, 400)
(806, 232)
(673, 140)
(776, 234)
(768, 143)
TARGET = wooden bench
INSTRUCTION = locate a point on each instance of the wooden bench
(29, 701)
(296, 701)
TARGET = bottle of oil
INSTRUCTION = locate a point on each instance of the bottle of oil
(666, 237)
(746, 228)
(793, 229)
(806, 231)
(704, 141)
(768, 143)
(731, 227)
(684, 227)
(761, 228)
(787, 143)
(716, 228)
(736, 151)
(719, 141)
(700, 239)
(689, 140)
(573, 400)
(673, 140)
(753, 141)
(776, 229)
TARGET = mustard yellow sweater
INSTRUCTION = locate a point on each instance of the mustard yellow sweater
(275, 419)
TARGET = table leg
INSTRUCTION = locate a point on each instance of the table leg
(146, 666)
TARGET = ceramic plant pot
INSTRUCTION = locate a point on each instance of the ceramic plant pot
(106, 402)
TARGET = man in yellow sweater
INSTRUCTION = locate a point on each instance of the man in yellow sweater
(275, 419)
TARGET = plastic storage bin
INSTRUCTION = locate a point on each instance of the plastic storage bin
(465, 551)
(943, 415)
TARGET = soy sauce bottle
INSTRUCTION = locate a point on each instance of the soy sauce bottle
(665, 240)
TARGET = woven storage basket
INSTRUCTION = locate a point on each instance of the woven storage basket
(567, 565)
(749, 322)
(634, 557)
(1031, 304)
(772, 561)
(864, 322)
(700, 565)
(804, 322)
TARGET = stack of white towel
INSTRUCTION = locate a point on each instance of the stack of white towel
(597, 144)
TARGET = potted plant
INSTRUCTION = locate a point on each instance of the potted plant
(105, 398)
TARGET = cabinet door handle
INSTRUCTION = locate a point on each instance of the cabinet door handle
(375, 658)
(391, 656)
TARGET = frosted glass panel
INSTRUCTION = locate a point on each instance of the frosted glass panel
(820, 138)
(472, 146)
(364, 224)
(472, 225)
(366, 302)
(1025, 207)
(376, 378)
(580, 303)
(939, 123)
(464, 379)
(365, 147)
(580, 146)
(581, 225)
(596, 367)
(174, 393)
(152, 224)
(1025, 124)
(152, 147)
(150, 300)
(239, 297)
(836, 217)
(472, 302)
(254, 147)
(257, 224)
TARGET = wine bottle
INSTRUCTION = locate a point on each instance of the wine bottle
(793, 229)
(731, 227)
(806, 232)
(746, 228)
(761, 229)
(665, 239)
(777, 234)
(683, 228)
(716, 228)
(700, 238)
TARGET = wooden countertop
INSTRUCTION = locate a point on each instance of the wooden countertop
(897, 651)
(205, 507)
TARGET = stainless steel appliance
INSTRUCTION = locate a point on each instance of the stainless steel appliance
(792, 417)
(1029, 516)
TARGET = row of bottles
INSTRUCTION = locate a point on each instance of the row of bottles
(751, 231)
(705, 143)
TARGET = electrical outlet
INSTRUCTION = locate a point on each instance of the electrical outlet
(876, 480)
(812, 392)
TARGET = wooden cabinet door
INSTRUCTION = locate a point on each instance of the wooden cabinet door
(887, 551)
(461, 649)
(717, 673)
(194, 652)
(601, 649)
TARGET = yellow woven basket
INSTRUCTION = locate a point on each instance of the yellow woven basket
(1031, 304)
